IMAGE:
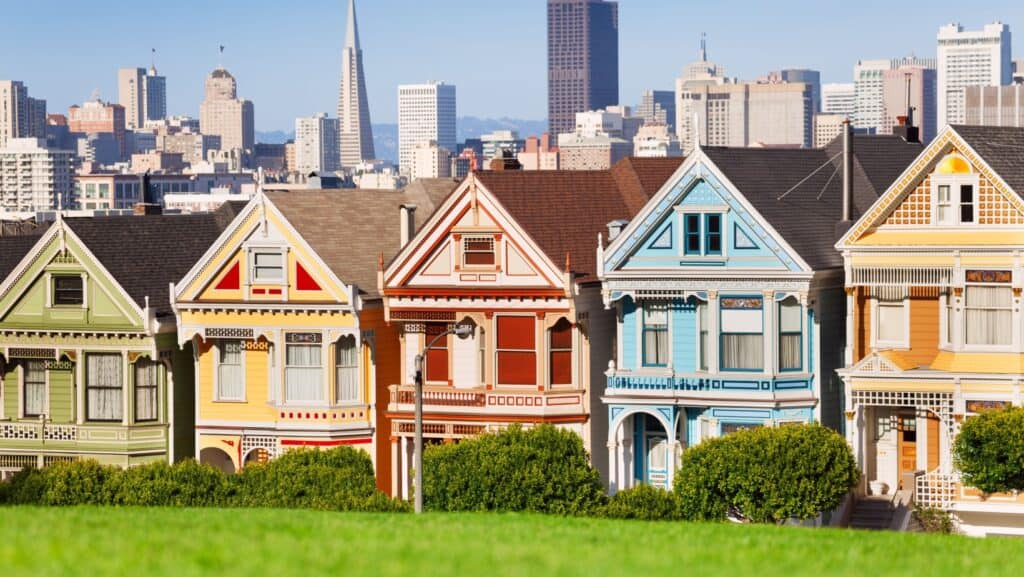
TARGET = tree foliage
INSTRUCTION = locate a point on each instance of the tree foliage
(989, 451)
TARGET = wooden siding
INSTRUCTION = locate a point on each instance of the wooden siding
(388, 365)
(861, 325)
(924, 329)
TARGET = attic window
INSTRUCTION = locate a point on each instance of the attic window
(478, 251)
(67, 290)
(267, 266)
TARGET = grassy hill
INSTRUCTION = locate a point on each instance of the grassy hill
(180, 542)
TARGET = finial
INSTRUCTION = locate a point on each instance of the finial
(568, 261)
(380, 261)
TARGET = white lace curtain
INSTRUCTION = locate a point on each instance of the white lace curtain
(655, 333)
(230, 371)
(146, 382)
(347, 370)
(989, 315)
(303, 373)
(104, 387)
(34, 377)
(742, 339)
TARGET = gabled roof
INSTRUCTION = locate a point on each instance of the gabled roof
(350, 228)
(145, 254)
(1002, 148)
(14, 248)
(799, 191)
(563, 211)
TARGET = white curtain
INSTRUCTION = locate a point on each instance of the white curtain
(146, 390)
(104, 387)
(347, 370)
(892, 321)
(35, 388)
(742, 339)
(303, 374)
(989, 315)
(702, 320)
(655, 333)
(790, 341)
(230, 372)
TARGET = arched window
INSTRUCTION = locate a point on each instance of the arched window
(347, 370)
(954, 191)
(790, 335)
(560, 347)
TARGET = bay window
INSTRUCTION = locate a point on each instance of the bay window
(742, 334)
(104, 387)
(303, 371)
(655, 334)
(790, 335)
(988, 315)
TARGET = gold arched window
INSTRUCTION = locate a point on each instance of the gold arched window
(954, 191)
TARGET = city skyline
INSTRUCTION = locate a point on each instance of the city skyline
(297, 73)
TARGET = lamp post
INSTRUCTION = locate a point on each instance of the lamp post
(461, 331)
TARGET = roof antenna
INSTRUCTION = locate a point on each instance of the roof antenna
(703, 47)
(152, 60)
(220, 58)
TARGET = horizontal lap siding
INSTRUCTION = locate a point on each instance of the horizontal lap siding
(924, 330)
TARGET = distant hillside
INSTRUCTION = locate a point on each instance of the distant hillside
(385, 136)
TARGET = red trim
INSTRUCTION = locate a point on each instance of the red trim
(274, 291)
(303, 280)
(231, 280)
(475, 292)
(335, 443)
(259, 291)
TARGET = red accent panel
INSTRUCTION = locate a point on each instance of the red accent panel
(307, 443)
(561, 335)
(232, 280)
(517, 368)
(516, 333)
(303, 280)
(259, 291)
(437, 361)
(274, 291)
(561, 367)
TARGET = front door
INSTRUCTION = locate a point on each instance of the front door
(657, 461)
(907, 432)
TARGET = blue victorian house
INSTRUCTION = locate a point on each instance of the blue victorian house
(729, 297)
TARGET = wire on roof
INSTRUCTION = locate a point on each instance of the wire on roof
(808, 177)
(828, 182)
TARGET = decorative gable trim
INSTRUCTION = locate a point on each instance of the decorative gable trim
(873, 364)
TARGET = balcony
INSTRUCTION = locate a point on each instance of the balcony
(704, 385)
(520, 401)
(103, 436)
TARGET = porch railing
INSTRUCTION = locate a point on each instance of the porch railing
(935, 490)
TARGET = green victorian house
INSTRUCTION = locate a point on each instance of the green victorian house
(89, 361)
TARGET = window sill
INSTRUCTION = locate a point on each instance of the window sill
(231, 401)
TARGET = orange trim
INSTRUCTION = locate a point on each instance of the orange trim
(488, 314)
(430, 250)
(499, 417)
(472, 292)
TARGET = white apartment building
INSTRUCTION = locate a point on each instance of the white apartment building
(498, 141)
(316, 144)
(426, 112)
(131, 95)
(223, 114)
(655, 140)
(994, 105)
(970, 58)
(747, 114)
(430, 160)
(839, 98)
(33, 178)
(868, 80)
(21, 116)
(827, 127)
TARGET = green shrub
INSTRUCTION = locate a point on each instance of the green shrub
(643, 502)
(184, 484)
(75, 483)
(543, 469)
(935, 521)
(339, 479)
(989, 451)
(26, 487)
(766, 475)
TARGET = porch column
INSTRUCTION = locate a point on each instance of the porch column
(404, 468)
(712, 355)
(395, 466)
(614, 481)
(670, 460)
(628, 479)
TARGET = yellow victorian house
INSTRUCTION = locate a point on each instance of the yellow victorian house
(285, 322)
(935, 326)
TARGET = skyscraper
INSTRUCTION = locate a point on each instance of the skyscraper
(583, 59)
(131, 95)
(316, 144)
(970, 58)
(223, 114)
(867, 81)
(154, 101)
(426, 112)
(356, 133)
(839, 98)
(658, 107)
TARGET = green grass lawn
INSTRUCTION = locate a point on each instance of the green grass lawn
(183, 542)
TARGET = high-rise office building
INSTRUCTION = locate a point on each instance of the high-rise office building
(867, 79)
(970, 58)
(33, 178)
(154, 102)
(316, 144)
(913, 88)
(21, 116)
(748, 114)
(356, 133)
(98, 117)
(695, 76)
(809, 77)
(131, 95)
(839, 98)
(658, 107)
(583, 59)
(223, 114)
(426, 112)
(994, 105)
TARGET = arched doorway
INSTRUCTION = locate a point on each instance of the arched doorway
(257, 455)
(642, 447)
(218, 459)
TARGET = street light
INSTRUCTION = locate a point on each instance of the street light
(461, 331)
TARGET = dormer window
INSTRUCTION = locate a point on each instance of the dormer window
(702, 234)
(954, 190)
(68, 290)
(267, 266)
(478, 251)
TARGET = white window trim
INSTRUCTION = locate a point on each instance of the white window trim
(1014, 320)
(326, 364)
(216, 374)
(875, 342)
(21, 392)
(681, 212)
(953, 181)
(669, 361)
(251, 252)
(359, 372)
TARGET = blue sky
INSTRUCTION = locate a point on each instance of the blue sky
(286, 53)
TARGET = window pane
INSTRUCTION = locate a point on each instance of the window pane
(67, 290)
(346, 370)
(516, 332)
(966, 203)
(303, 373)
(231, 372)
(517, 368)
(742, 351)
(35, 388)
(104, 387)
(713, 243)
(892, 321)
(789, 351)
(988, 315)
(692, 233)
(146, 381)
(789, 316)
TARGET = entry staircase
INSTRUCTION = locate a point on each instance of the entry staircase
(881, 512)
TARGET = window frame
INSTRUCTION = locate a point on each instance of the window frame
(664, 329)
(550, 332)
(253, 254)
(354, 367)
(876, 323)
(155, 366)
(799, 332)
(708, 234)
(695, 226)
(464, 250)
(219, 362)
(120, 388)
(722, 333)
(24, 392)
(54, 278)
(954, 203)
(498, 350)
(964, 309)
(316, 342)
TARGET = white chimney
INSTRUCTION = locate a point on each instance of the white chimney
(407, 222)
(615, 228)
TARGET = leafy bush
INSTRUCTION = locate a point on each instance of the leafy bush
(766, 475)
(340, 479)
(989, 451)
(185, 484)
(543, 469)
(935, 521)
(643, 502)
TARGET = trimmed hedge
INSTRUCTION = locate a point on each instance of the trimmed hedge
(989, 451)
(543, 470)
(339, 479)
(643, 502)
(766, 475)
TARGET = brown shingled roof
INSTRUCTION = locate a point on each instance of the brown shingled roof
(563, 211)
(350, 228)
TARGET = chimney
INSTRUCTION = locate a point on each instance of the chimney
(615, 228)
(407, 222)
(146, 204)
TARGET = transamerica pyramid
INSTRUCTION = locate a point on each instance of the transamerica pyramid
(356, 135)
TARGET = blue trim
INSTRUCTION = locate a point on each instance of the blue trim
(689, 232)
(800, 367)
(709, 235)
(663, 241)
(721, 334)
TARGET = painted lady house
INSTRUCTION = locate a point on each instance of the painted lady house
(728, 298)
(512, 254)
(934, 327)
(284, 316)
(89, 359)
